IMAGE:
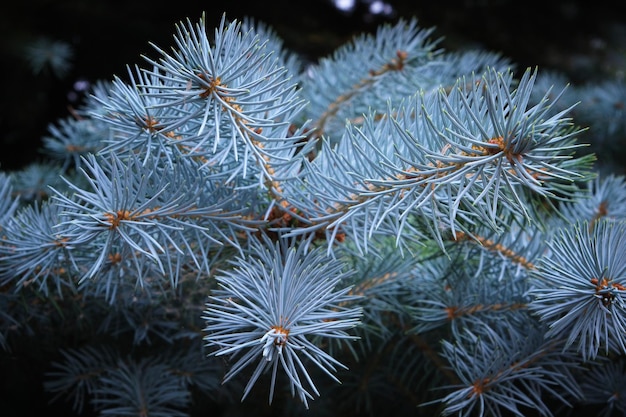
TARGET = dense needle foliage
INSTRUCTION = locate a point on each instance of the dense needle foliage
(225, 229)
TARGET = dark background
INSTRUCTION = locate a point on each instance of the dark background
(585, 39)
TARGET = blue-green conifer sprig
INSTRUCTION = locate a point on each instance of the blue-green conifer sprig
(127, 386)
(492, 131)
(134, 387)
(144, 319)
(145, 322)
(91, 104)
(136, 121)
(76, 374)
(343, 198)
(501, 255)
(579, 287)
(551, 85)
(150, 209)
(506, 370)
(33, 181)
(602, 110)
(33, 252)
(125, 275)
(597, 106)
(272, 305)
(45, 55)
(480, 280)
(604, 197)
(231, 89)
(9, 203)
(380, 279)
(604, 384)
(462, 294)
(452, 159)
(364, 73)
(72, 138)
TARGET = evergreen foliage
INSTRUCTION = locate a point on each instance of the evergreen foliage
(394, 224)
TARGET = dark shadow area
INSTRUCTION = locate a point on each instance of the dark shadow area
(584, 39)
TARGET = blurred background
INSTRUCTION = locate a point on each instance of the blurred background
(53, 51)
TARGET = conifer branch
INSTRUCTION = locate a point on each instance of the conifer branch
(421, 224)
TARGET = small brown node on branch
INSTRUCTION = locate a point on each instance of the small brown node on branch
(604, 287)
(116, 218)
(479, 387)
(213, 83)
(499, 141)
(115, 258)
(284, 333)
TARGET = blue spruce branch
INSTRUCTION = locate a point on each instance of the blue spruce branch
(226, 221)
